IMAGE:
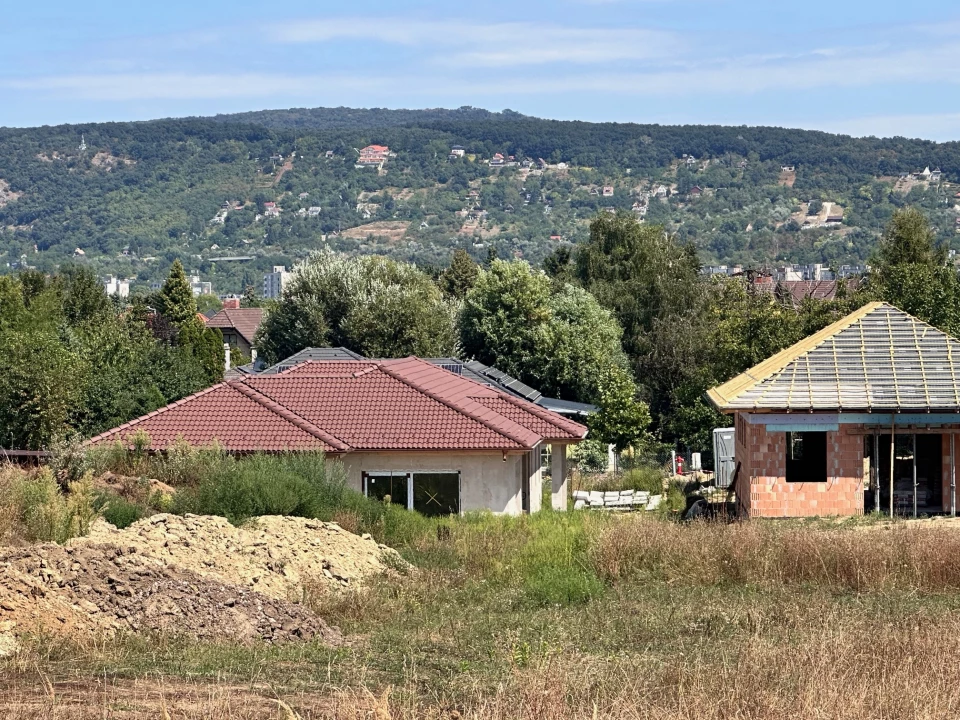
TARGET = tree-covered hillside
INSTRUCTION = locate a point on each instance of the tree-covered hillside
(139, 195)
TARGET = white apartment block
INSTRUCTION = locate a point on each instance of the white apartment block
(273, 282)
(200, 287)
(115, 286)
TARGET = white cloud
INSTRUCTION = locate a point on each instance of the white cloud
(183, 86)
(491, 44)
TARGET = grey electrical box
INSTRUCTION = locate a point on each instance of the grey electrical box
(724, 463)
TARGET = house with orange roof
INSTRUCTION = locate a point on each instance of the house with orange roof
(407, 431)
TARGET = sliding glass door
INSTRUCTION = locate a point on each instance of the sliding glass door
(429, 493)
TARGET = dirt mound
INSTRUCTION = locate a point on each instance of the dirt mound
(108, 587)
(274, 555)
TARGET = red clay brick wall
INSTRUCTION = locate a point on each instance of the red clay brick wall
(763, 459)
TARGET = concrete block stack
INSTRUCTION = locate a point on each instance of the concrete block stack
(616, 500)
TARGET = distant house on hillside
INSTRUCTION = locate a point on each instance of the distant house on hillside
(457, 152)
(497, 160)
(608, 190)
(373, 155)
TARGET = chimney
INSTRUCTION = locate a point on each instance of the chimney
(253, 354)
(231, 304)
(226, 357)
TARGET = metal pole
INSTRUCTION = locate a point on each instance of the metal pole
(953, 479)
(893, 442)
(914, 477)
(875, 471)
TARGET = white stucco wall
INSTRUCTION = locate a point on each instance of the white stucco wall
(487, 482)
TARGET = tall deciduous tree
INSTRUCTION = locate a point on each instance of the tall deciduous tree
(374, 306)
(652, 285)
(554, 336)
(913, 274)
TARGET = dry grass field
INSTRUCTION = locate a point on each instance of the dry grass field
(569, 616)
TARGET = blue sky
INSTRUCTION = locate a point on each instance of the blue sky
(864, 68)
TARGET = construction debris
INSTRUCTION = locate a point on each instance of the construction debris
(96, 587)
(194, 575)
(274, 555)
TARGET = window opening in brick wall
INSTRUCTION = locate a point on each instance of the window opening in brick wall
(806, 457)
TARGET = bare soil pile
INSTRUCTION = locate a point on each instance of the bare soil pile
(272, 554)
(108, 587)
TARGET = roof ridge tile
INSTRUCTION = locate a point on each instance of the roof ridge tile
(287, 414)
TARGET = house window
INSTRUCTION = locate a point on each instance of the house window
(806, 457)
(387, 487)
(429, 493)
(436, 493)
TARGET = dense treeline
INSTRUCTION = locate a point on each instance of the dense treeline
(625, 321)
(74, 362)
(143, 194)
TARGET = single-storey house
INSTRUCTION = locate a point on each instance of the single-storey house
(859, 417)
(406, 429)
(471, 369)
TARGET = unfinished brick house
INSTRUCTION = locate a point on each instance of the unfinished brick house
(859, 417)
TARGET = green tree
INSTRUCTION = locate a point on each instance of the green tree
(554, 336)
(250, 298)
(504, 316)
(83, 295)
(457, 279)
(622, 419)
(651, 283)
(175, 299)
(911, 273)
(39, 388)
(908, 240)
(206, 303)
(374, 306)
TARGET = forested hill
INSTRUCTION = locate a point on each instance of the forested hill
(361, 118)
(134, 196)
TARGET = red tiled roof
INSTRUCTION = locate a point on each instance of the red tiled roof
(233, 416)
(340, 406)
(244, 320)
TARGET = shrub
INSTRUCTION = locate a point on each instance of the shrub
(46, 514)
(301, 484)
(119, 511)
(590, 456)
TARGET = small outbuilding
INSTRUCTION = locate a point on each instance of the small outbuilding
(859, 417)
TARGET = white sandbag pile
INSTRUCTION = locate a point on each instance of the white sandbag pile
(616, 500)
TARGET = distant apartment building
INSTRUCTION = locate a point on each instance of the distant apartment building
(274, 282)
(116, 286)
(200, 287)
